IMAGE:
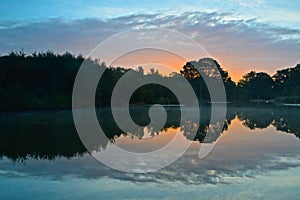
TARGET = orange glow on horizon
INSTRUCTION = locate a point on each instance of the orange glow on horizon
(167, 62)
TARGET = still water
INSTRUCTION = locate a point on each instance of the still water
(256, 156)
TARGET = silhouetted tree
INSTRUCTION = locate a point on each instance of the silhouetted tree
(256, 86)
(45, 81)
(211, 69)
(287, 85)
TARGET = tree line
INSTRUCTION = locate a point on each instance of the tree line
(44, 81)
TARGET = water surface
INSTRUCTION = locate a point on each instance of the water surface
(256, 156)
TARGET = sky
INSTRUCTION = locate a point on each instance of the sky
(242, 35)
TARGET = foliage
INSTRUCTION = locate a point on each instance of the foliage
(256, 86)
(44, 81)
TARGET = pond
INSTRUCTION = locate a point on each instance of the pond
(256, 155)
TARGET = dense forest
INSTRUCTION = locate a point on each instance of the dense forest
(44, 81)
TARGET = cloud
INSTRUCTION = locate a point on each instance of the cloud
(238, 44)
(221, 167)
(248, 3)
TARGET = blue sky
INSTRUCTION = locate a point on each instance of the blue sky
(242, 35)
(279, 12)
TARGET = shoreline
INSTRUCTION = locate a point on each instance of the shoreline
(204, 105)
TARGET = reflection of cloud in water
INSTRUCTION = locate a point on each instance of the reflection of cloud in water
(238, 153)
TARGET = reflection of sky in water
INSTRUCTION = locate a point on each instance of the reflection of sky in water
(281, 185)
(260, 163)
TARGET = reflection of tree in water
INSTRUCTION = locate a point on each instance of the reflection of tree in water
(255, 118)
(143, 132)
(287, 120)
(45, 135)
(141, 117)
(199, 131)
(192, 130)
(283, 119)
(49, 135)
(39, 136)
